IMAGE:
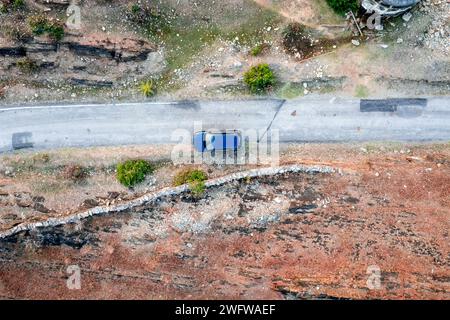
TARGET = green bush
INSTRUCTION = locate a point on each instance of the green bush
(40, 25)
(194, 177)
(55, 31)
(132, 172)
(343, 6)
(147, 88)
(259, 78)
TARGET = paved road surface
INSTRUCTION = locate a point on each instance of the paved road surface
(303, 120)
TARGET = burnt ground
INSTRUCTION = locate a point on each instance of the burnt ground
(290, 236)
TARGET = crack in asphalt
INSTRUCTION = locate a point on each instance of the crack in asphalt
(273, 119)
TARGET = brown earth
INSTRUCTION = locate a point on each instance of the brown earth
(289, 236)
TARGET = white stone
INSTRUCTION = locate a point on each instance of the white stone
(407, 16)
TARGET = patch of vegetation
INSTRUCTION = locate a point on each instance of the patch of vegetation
(259, 78)
(2, 92)
(343, 6)
(303, 42)
(40, 25)
(185, 43)
(41, 158)
(326, 14)
(18, 4)
(361, 91)
(27, 65)
(132, 172)
(259, 49)
(147, 88)
(75, 173)
(194, 177)
(50, 186)
(291, 90)
(16, 30)
(151, 17)
(253, 30)
(297, 40)
(11, 5)
(38, 163)
(185, 34)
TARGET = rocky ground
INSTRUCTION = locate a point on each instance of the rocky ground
(284, 237)
(202, 51)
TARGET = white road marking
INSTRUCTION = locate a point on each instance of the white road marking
(88, 105)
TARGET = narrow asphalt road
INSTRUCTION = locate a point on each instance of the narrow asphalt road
(303, 120)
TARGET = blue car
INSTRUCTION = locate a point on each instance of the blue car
(219, 140)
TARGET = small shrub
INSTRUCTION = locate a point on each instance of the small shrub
(135, 8)
(343, 6)
(259, 78)
(18, 4)
(55, 31)
(2, 92)
(194, 177)
(75, 173)
(132, 172)
(40, 25)
(147, 88)
(258, 49)
(27, 65)
(361, 91)
(197, 188)
(11, 5)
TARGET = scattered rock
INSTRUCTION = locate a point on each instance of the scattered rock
(407, 16)
(306, 208)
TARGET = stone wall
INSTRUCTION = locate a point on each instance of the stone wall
(169, 191)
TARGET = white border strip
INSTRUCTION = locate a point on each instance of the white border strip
(68, 106)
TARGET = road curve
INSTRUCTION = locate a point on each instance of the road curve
(309, 119)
